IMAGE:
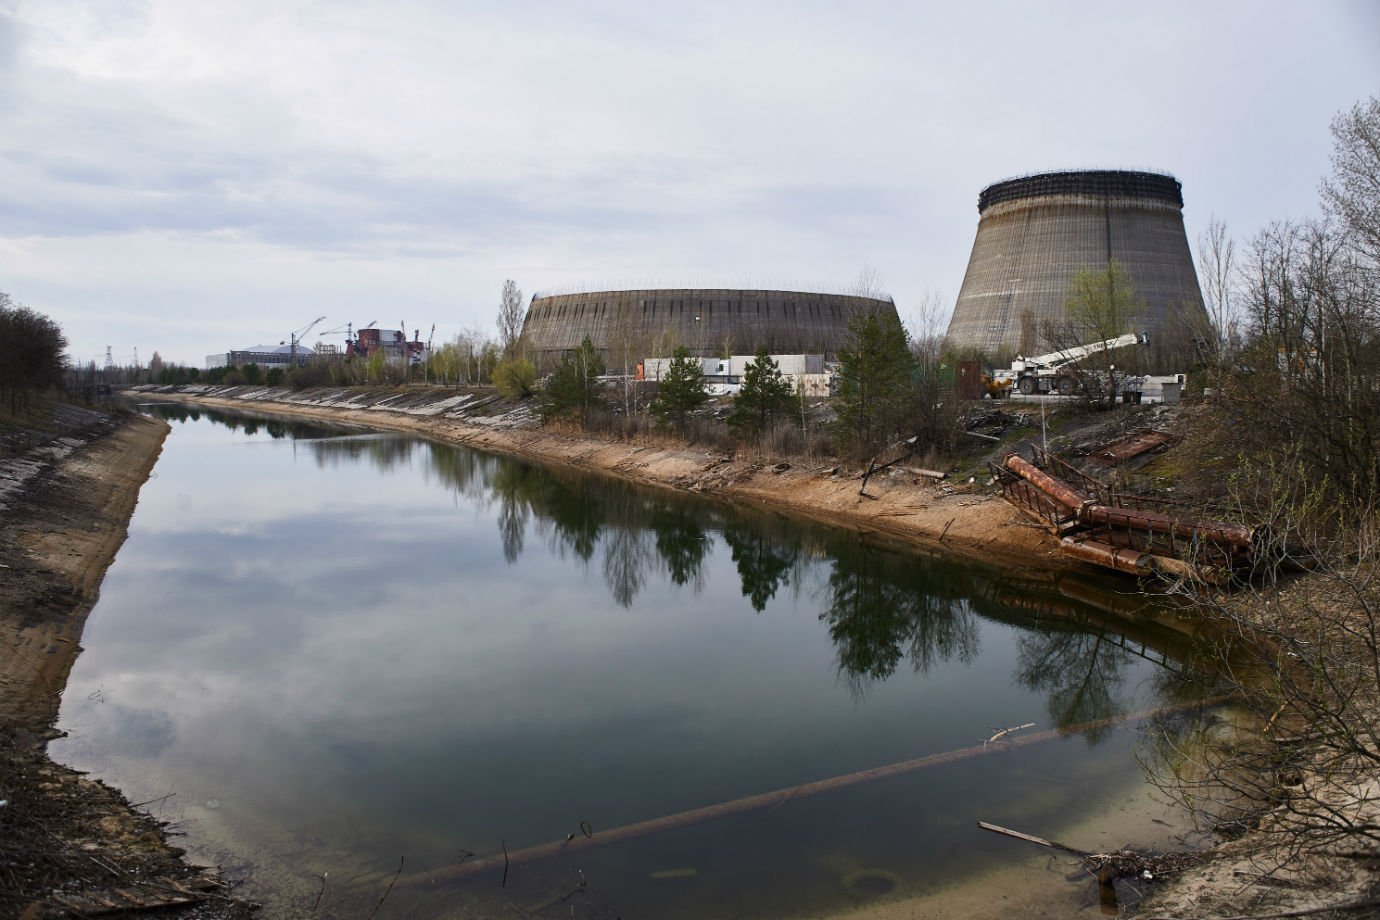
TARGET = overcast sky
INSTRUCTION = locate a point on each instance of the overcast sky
(190, 177)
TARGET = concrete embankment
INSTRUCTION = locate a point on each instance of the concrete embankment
(960, 518)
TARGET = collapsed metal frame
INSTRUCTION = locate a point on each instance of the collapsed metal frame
(1096, 525)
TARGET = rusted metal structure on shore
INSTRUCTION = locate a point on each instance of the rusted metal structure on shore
(1132, 534)
(1036, 232)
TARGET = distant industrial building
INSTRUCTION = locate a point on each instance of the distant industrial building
(624, 324)
(392, 343)
(268, 356)
(1036, 232)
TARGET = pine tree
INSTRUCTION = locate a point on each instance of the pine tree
(765, 395)
(574, 387)
(875, 391)
(681, 390)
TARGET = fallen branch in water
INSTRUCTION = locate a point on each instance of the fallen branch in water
(1002, 733)
(1031, 838)
(1108, 866)
(388, 889)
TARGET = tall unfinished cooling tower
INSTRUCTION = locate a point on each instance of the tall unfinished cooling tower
(1036, 232)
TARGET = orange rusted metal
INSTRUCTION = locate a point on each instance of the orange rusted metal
(1126, 539)
(1060, 492)
(1237, 535)
(1132, 446)
(1121, 558)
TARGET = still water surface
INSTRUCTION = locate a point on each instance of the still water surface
(340, 649)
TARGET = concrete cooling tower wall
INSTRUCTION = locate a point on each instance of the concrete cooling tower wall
(1036, 232)
(708, 322)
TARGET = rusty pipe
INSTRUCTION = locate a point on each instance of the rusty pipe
(1239, 535)
(1121, 558)
(1061, 493)
(1138, 562)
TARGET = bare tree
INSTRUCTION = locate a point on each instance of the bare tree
(1216, 272)
(1303, 657)
(1352, 194)
(510, 314)
(925, 323)
(1313, 324)
(626, 348)
(869, 283)
(1103, 305)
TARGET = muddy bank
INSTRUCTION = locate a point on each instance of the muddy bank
(67, 505)
(69, 844)
(961, 518)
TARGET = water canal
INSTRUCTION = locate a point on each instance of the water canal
(333, 651)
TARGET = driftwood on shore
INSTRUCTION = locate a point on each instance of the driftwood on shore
(1107, 867)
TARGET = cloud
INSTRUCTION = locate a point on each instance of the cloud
(436, 150)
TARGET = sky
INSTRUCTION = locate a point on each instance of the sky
(189, 177)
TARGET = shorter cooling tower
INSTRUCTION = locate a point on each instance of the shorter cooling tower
(1036, 232)
(641, 323)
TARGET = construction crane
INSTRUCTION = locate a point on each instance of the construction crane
(296, 337)
(349, 333)
(1053, 372)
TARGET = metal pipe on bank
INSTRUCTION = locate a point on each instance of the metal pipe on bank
(1061, 492)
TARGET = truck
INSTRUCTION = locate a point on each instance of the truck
(1056, 372)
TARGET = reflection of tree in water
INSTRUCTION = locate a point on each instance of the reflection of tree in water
(764, 561)
(509, 487)
(1081, 674)
(681, 543)
(577, 514)
(570, 520)
(174, 413)
(627, 557)
(249, 423)
(885, 606)
(383, 452)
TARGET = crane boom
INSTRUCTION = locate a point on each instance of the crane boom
(1057, 359)
(1053, 372)
(296, 337)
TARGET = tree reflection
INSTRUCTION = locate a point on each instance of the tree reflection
(383, 452)
(681, 543)
(574, 519)
(764, 561)
(627, 557)
(884, 607)
(1081, 674)
(250, 423)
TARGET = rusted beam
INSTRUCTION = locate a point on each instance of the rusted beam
(1136, 562)
(1237, 535)
(1121, 558)
(1060, 492)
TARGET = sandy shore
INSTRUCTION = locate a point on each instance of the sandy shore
(959, 518)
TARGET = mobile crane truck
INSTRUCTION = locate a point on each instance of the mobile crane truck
(1054, 372)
